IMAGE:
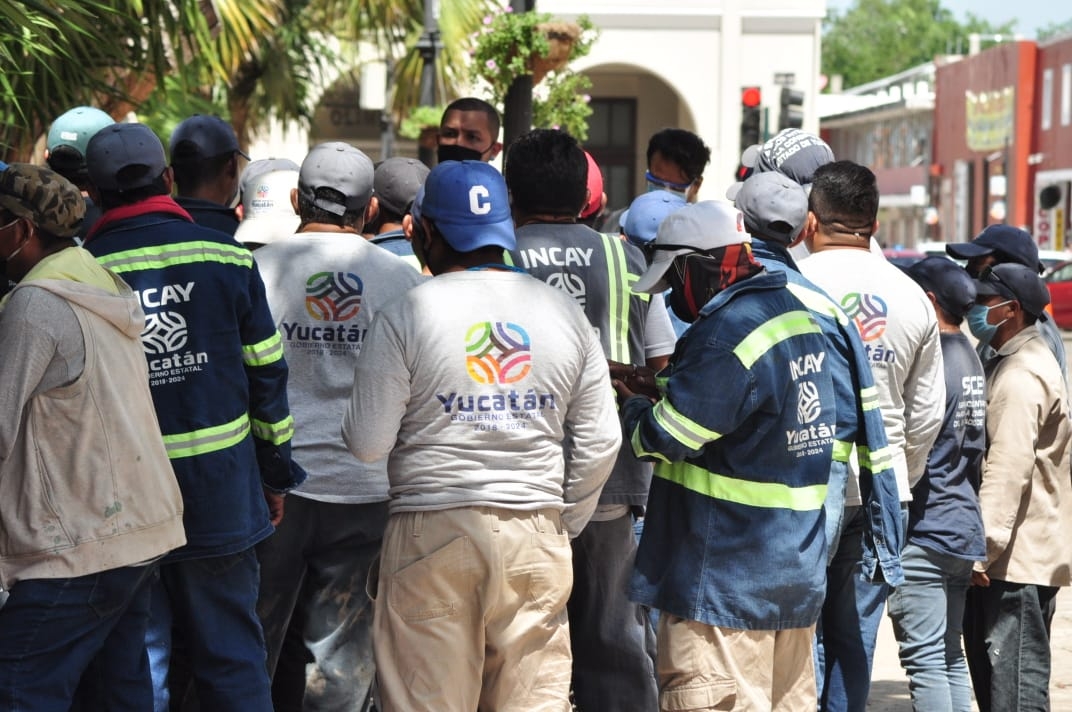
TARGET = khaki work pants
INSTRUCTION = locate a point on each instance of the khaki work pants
(470, 612)
(703, 667)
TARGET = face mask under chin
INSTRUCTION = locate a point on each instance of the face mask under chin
(456, 152)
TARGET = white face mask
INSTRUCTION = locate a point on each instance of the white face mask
(799, 251)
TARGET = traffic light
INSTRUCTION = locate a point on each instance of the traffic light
(751, 116)
(791, 115)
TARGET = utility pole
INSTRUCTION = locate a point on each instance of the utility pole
(428, 46)
(517, 106)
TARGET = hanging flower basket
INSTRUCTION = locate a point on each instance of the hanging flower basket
(561, 36)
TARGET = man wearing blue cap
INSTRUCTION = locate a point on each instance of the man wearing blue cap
(945, 529)
(205, 158)
(1025, 497)
(1003, 244)
(490, 393)
(218, 379)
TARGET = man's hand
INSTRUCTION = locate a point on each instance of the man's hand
(629, 380)
(979, 578)
(275, 506)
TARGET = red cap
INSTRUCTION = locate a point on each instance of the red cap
(595, 188)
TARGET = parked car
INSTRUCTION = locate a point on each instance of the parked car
(1059, 281)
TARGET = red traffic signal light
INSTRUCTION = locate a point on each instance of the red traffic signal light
(751, 97)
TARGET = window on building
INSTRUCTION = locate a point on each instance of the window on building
(612, 142)
(1047, 99)
(1066, 95)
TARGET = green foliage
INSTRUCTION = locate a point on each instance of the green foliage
(420, 118)
(513, 44)
(876, 38)
(1054, 29)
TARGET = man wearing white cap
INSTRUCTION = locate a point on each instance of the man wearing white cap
(324, 286)
(733, 551)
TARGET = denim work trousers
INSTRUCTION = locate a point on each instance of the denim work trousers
(211, 604)
(1007, 638)
(704, 667)
(848, 625)
(470, 612)
(927, 611)
(58, 632)
(612, 638)
(313, 573)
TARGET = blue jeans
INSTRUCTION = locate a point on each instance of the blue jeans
(927, 611)
(210, 603)
(56, 632)
(611, 637)
(312, 601)
(848, 626)
(1007, 638)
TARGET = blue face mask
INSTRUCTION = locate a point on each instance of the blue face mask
(978, 324)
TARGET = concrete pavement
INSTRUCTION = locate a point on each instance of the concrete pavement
(889, 685)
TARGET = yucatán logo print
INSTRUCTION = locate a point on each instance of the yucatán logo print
(497, 352)
(333, 296)
(869, 311)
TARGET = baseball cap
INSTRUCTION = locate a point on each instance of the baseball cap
(397, 181)
(130, 149)
(47, 199)
(1016, 244)
(595, 188)
(74, 128)
(698, 227)
(202, 136)
(262, 166)
(791, 152)
(267, 213)
(774, 206)
(641, 221)
(953, 287)
(469, 204)
(341, 167)
(1012, 280)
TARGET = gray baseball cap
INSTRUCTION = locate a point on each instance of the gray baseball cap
(397, 182)
(775, 207)
(341, 167)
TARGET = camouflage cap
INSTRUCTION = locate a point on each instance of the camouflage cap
(44, 197)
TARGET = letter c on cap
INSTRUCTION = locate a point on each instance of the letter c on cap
(476, 205)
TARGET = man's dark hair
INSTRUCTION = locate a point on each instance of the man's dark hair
(845, 194)
(547, 173)
(471, 103)
(683, 148)
(310, 213)
(114, 198)
(69, 163)
(384, 216)
(191, 175)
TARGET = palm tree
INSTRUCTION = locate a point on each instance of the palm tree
(246, 58)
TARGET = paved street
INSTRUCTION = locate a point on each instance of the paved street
(889, 686)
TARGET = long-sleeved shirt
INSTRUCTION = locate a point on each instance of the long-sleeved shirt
(486, 388)
(1026, 494)
(900, 333)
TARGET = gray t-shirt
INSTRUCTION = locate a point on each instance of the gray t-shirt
(323, 290)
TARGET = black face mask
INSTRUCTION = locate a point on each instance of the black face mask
(695, 278)
(455, 152)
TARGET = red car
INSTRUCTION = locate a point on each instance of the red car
(1059, 280)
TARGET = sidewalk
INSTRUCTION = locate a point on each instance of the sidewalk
(889, 686)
